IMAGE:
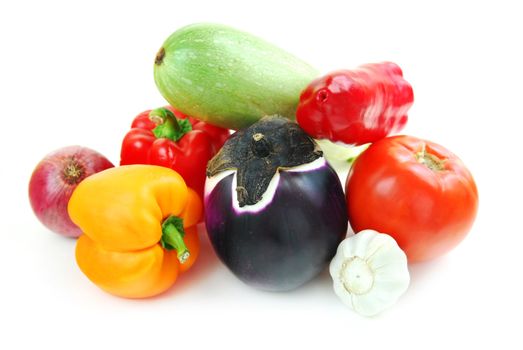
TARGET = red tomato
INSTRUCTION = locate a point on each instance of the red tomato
(417, 191)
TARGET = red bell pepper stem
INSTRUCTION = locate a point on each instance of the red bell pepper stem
(167, 125)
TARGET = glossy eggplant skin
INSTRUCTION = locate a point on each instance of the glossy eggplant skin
(287, 243)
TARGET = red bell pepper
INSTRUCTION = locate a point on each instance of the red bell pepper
(168, 138)
(356, 106)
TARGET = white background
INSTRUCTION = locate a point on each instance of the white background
(77, 73)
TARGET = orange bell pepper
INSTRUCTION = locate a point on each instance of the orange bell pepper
(139, 229)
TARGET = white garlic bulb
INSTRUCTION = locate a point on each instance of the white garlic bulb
(369, 272)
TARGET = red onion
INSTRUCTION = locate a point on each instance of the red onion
(54, 180)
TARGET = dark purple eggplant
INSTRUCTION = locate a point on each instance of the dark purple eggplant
(275, 211)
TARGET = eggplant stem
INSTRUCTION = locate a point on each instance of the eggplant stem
(260, 146)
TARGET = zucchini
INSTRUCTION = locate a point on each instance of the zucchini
(227, 77)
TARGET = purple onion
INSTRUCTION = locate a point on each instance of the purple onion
(275, 210)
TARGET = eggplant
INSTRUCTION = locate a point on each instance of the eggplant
(275, 210)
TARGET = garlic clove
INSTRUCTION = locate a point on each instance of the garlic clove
(387, 258)
(372, 303)
(382, 296)
(359, 249)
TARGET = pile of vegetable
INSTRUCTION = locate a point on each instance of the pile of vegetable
(238, 148)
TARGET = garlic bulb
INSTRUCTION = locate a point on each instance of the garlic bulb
(369, 272)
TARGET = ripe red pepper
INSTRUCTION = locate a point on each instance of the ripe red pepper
(168, 138)
(356, 106)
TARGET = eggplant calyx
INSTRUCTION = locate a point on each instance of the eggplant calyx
(259, 151)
